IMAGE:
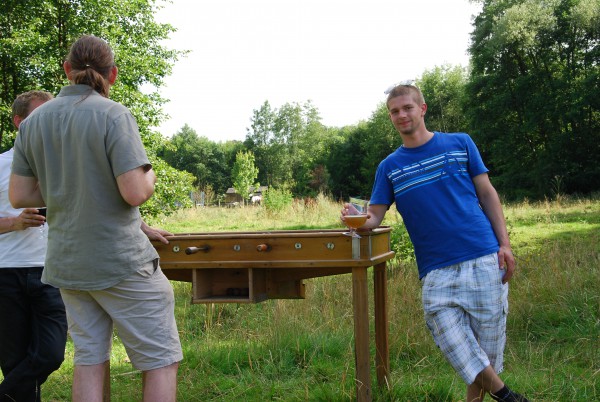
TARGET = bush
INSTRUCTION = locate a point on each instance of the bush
(172, 190)
(401, 243)
(276, 200)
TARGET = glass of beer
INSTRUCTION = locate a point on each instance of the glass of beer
(357, 215)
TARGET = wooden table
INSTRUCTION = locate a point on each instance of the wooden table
(250, 267)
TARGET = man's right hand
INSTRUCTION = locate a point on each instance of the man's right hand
(28, 218)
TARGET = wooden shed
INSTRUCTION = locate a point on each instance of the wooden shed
(232, 197)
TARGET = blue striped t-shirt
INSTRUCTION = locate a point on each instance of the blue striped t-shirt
(433, 190)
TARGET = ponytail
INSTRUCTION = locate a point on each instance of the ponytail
(92, 61)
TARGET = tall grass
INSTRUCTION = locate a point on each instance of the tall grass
(302, 350)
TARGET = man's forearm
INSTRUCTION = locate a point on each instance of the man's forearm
(7, 224)
(493, 210)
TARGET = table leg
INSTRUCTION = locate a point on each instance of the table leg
(382, 352)
(361, 333)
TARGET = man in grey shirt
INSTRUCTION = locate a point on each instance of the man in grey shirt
(86, 152)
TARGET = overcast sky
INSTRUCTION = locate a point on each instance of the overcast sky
(340, 54)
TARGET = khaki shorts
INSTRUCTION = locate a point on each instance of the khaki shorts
(141, 308)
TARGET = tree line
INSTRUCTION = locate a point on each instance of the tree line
(35, 37)
(529, 98)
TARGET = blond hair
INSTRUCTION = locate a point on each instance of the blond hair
(402, 90)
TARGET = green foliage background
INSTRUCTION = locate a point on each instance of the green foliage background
(244, 173)
(532, 96)
(529, 98)
(35, 37)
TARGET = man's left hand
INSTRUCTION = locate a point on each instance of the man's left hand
(506, 260)
(155, 233)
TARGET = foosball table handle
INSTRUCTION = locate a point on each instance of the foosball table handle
(194, 250)
(263, 247)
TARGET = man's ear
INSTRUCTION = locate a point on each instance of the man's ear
(112, 77)
(17, 121)
(67, 67)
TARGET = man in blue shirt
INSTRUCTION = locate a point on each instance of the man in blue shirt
(455, 221)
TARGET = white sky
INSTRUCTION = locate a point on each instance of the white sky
(340, 54)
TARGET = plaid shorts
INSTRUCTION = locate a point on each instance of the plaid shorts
(141, 308)
(465, 309)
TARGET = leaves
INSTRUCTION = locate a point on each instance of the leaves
(204, 159)
(244, 173)
(532, 94)
(288, 143)
(35, 37)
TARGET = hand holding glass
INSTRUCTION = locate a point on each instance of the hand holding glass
(355, 215)
(42, 211)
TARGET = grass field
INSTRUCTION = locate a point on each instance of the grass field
(302, 350)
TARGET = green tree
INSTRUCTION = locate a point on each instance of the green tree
(309, 166)
(289, 128)
(533, 102)
(171, 192)
(244, 173)
(230, 149)
(287, 143)
(345, 161)
(199, 156)
(379, 139)
(319, 180)
(35, 37)
(444, 90)
(268, 151)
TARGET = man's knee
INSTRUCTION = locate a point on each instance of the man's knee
(50, 361)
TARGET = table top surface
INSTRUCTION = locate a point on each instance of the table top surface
(274, 234)
(275, 248)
